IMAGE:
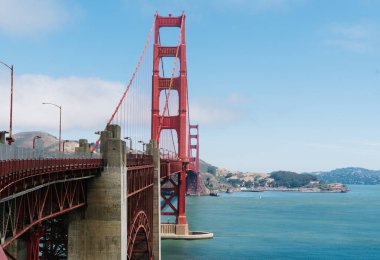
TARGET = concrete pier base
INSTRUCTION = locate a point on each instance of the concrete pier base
(169, 231)
(182, 229)
(96, 234)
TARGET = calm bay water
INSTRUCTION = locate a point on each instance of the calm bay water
(283, 225)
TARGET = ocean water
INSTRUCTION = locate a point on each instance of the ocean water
(283, 225)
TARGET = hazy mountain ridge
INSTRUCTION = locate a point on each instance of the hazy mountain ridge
(213, 177)
(350, 175)
(47, 141)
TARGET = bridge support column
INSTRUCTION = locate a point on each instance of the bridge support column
(182, 228)
(84, 146)
(98, 235)
(155, 152)
(33, 242)
(27, 247)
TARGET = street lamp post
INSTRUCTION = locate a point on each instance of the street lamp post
(162, 152)
(60, 122)
(10, 138)
(130, 142)
(143, 144)
(34, 141)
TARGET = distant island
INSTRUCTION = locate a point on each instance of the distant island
(216, 179)
(350, 175)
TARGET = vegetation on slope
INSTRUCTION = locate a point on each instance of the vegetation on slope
(291, 179)
(351, 175)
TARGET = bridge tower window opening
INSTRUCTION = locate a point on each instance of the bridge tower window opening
(168, 36)
(169, 143)
(166, 65)
(173, 104)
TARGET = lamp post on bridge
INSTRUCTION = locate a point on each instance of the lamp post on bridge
(168, 155)
(163, 153)
(130, 142)
(143, 144)
(60, 121)
(34, 141)
(10, 138)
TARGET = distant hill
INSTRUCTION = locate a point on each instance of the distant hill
(47, 141)
(351, 175)
(206, 167)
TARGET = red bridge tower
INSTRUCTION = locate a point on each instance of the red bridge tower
(179, 84)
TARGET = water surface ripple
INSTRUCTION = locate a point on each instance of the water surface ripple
(283, 225)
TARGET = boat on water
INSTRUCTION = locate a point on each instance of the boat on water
(214, 193)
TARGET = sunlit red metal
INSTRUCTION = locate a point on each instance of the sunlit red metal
(192, 180)
(140, 173)
(178, 123)
(35, 190)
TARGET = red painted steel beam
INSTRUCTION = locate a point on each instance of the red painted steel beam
(140, 209)
(33, 209)
(164, 83)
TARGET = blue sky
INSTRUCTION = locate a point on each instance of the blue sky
(274, 84)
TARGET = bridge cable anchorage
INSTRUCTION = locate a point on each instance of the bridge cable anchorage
(119, 105)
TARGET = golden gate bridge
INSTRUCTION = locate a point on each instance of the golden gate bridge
(106, 201)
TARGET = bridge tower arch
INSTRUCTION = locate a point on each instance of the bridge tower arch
(179, 122)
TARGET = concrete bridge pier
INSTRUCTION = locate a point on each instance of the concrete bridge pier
(155, 152)
(98, 234)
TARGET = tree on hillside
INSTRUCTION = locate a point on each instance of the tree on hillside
(291, 179)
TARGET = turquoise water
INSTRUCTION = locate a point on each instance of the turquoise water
(283, 225)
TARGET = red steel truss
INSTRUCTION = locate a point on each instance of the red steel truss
(35, 190)
(192, 179)
(140, 173)
(179, 122)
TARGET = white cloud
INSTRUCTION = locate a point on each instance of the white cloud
(213, 113)
(86, 103)
(357, 37)
(237, 98)
(353, 32)
(30, 17)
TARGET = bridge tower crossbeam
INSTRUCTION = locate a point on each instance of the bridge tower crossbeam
(193, 175)
(179, 122)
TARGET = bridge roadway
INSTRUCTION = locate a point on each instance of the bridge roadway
(80, 201)
(35, 190)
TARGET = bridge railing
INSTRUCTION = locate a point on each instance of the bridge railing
(47, 165)
(13, 152)
(138, 159)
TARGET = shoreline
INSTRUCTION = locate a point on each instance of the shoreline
(279, 189)
(302, 189)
